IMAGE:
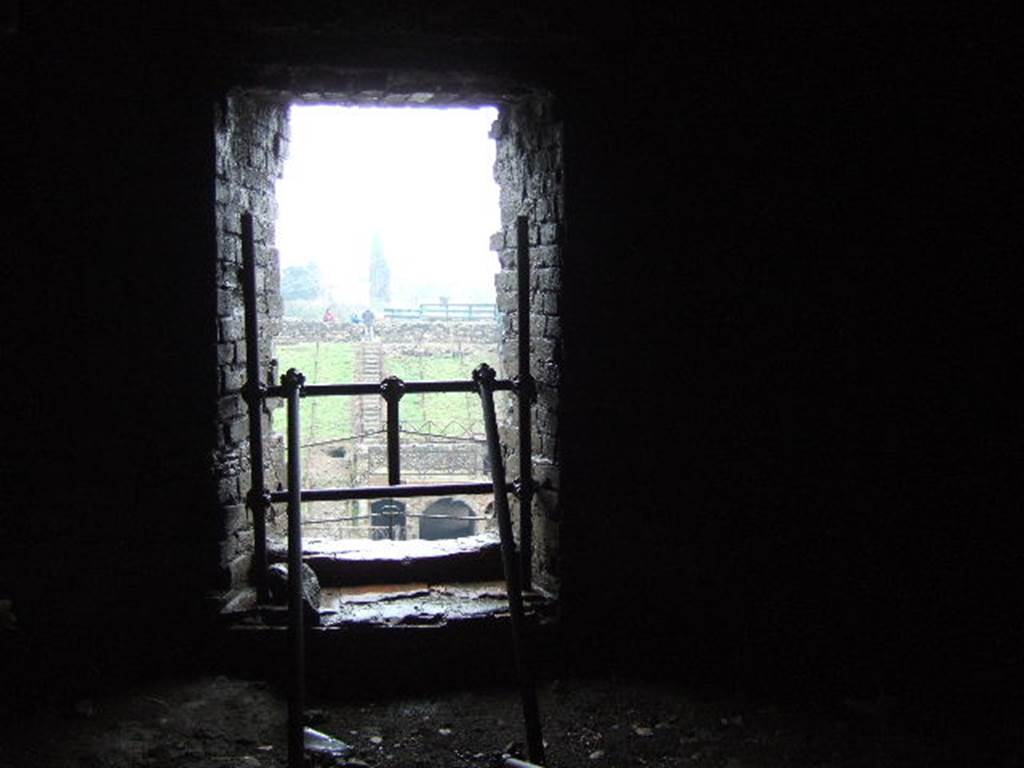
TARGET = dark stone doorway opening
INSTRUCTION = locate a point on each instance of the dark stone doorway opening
(447, 519)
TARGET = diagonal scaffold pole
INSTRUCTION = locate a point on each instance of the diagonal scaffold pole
(484, 376)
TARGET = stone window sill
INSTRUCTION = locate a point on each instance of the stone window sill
(395, 584)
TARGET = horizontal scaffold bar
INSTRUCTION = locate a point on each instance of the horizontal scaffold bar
(388, 491)
(408, 387)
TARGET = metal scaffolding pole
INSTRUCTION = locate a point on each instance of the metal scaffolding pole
(292, 381)
(257, 499)
(484, 376)
(392, 389)
(388, 491)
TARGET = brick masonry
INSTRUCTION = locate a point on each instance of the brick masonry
(529, 171)
(251, 141)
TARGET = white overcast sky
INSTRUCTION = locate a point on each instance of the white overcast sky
(421, 178)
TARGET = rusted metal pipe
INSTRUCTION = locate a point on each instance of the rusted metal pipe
(526, 390)
(389, 491)
(408, 387)
(256, 500)
(392, 389)
(292, 382)
(484, 376)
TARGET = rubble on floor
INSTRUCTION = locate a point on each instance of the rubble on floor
(601, 722)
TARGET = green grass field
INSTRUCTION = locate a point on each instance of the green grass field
(322, 418)
(450, 414)
(329, 418)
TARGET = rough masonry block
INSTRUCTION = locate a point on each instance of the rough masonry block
(232, 378)
(231, 328)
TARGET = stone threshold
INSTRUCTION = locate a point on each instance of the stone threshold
(405, 605)
(392, 637)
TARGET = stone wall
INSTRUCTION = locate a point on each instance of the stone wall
(529, 171)
(411, 332)
(251, 139)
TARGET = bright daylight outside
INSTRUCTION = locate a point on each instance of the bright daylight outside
(384, 221)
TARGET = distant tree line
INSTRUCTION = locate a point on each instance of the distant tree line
(302, 283)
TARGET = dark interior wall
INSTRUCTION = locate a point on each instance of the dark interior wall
(109, 316)
(798, 260)
(784, 297)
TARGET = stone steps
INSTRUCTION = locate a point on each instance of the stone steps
(371, 371)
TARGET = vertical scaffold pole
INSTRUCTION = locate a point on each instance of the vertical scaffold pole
(392, 389)
(484, 377)
(292, 383)
(257, 500)
(526, 397)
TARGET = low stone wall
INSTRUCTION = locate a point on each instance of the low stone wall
(392, 332)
